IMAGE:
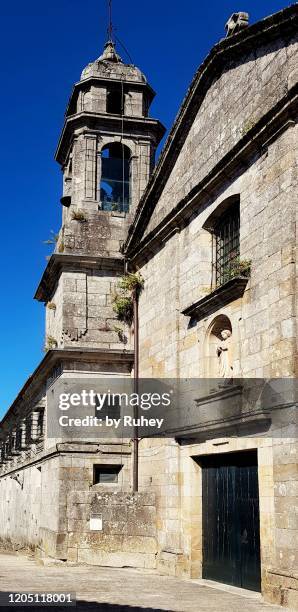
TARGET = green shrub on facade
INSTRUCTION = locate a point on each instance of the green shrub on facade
(123, 301)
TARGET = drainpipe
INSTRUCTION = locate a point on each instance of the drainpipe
(135, 486)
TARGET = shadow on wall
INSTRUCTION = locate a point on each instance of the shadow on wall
(89, 606)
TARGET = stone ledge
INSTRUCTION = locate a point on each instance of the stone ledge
(230, 291)
(242, 424)
(59, 262)
(59, 357)
(86, 120)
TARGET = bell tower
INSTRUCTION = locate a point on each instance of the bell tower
(108, 142)
(106, 152)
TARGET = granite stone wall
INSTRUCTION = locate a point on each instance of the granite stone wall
(179, 272)
(112, 528)
(29, 504)
(263, 320)
(83, 313)
(246, 88)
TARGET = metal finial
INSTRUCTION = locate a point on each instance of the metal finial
(110, 26)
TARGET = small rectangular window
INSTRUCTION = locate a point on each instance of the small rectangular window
(106, 474)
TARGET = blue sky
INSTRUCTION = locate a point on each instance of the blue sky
(43, 48)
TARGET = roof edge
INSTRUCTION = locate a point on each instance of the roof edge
(268, 25)
(63, 355)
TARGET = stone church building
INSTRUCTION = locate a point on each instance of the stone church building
(212, 229)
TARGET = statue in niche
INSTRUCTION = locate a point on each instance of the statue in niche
(224, 355)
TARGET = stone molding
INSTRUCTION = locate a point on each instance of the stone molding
(92, 122)
(69, 448)
(73, 263)
(223, 295)
(56, 357)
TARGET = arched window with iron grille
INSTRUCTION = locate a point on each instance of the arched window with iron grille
(224, 225)
(227, 243)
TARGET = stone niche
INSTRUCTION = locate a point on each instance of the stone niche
(213, 341)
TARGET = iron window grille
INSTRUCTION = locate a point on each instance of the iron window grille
(227, 245)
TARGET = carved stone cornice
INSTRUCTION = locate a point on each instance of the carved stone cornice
(73, 263)
(57, 358)
(101, 123)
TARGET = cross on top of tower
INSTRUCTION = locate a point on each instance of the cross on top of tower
(109, 54)
(110, 25)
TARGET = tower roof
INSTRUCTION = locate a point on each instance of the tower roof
(111, 66)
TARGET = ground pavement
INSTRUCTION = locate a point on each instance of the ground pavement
(102, 589)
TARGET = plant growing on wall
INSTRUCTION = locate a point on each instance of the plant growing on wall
(57, 240)
(53, 238)
(121, 335)
(131, 282)
(123, 307)
(241, 267)
(238, 267)
(247, 125)
(123, 301)
(78, 215)
(51, 343)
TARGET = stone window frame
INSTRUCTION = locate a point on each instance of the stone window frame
(115, 100)
(216, 225)
(126, 156)
(108, 469)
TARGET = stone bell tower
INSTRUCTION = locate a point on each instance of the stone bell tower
(106, 152)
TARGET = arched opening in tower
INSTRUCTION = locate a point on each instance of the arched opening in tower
(115, 177)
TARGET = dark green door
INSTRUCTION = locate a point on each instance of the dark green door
(231, 531)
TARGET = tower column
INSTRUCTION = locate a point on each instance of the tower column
(90, 167)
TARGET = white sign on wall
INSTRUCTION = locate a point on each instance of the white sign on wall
(96, 522)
